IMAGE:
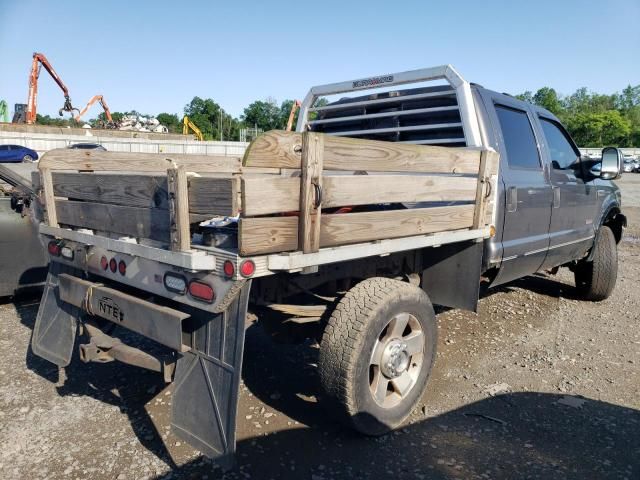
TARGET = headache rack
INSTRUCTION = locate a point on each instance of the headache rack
(301, 199)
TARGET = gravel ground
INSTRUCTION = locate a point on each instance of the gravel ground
(536, 385)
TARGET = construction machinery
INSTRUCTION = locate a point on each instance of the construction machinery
(4, 111)
(103, 104)
(39, 61)
(187, 125)
(295, 106)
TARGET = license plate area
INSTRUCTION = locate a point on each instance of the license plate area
(160, 323)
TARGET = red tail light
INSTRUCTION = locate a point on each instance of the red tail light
(201, 291)
(54, 248)
(247, 268)
(104, 263)
(228, 268)
(113, 265)
(122, 267)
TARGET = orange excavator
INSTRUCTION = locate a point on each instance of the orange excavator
(295, 106)
(103, 103)
(39, 61)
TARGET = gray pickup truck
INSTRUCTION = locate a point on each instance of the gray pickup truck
(379, 206)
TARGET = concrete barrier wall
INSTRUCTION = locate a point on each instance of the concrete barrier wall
(598, 151)
(43, 142)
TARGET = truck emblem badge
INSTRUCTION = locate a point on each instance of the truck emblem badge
(373, 81)
(110, 309)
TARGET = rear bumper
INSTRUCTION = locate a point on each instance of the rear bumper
(159, 323)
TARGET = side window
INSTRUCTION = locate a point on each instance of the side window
(563, 155)
(520, 143)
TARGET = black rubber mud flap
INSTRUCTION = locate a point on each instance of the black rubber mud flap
(54, 332)
(207, 380)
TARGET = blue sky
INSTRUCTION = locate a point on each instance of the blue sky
(154, 58)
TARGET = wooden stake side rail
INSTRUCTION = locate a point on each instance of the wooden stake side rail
(422, 174)
(159, 196)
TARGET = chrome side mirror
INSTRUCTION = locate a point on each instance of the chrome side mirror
(611, 166)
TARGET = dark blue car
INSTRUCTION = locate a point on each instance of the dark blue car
(16, 154)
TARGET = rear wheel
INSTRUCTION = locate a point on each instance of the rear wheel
(376, 354)
(27, 159)
(596, 279)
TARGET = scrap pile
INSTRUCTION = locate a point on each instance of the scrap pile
(141, 123)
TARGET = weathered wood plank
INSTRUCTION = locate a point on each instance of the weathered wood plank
(207, 195)
(267, 235)
(128, 190)
(178, 190)
(214, 196)
(487, 169)
(264, 195)
(310, 192)
(278, 149)
(136, 222)
(279, 234)
(49, 198)
(68, 159)
(348, 228)
(275, 148)
(342, 190)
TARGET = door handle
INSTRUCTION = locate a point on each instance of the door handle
(556, 197)
(512, 199)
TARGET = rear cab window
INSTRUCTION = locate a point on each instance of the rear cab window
(519, 140)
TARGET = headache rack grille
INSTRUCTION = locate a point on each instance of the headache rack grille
(431, 115)
(425, 115)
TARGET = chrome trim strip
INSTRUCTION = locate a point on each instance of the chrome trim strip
(533, 252)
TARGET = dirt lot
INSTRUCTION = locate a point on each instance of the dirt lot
(536, 385)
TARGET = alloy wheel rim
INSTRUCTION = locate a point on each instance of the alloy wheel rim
(396, 360)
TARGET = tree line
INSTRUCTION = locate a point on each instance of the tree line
(593, 119)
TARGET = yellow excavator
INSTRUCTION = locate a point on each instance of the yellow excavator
(189, 125)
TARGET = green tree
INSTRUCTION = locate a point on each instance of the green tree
(548, 98)
(599, 129)
(526, 96)
(212, 120)
(171, 121)
(263, 114)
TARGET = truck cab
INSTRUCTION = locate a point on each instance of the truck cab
(552, 203)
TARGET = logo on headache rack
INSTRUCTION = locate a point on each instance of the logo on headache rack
(110, 309)
(373, 81)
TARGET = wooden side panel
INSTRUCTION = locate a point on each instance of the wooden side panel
(207, 195)
(136, 222)
(283, 150)
(264, 195)
(279, 234)
(67, 159)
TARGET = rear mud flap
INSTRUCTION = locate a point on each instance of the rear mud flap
(54, 332)
(207, 380)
